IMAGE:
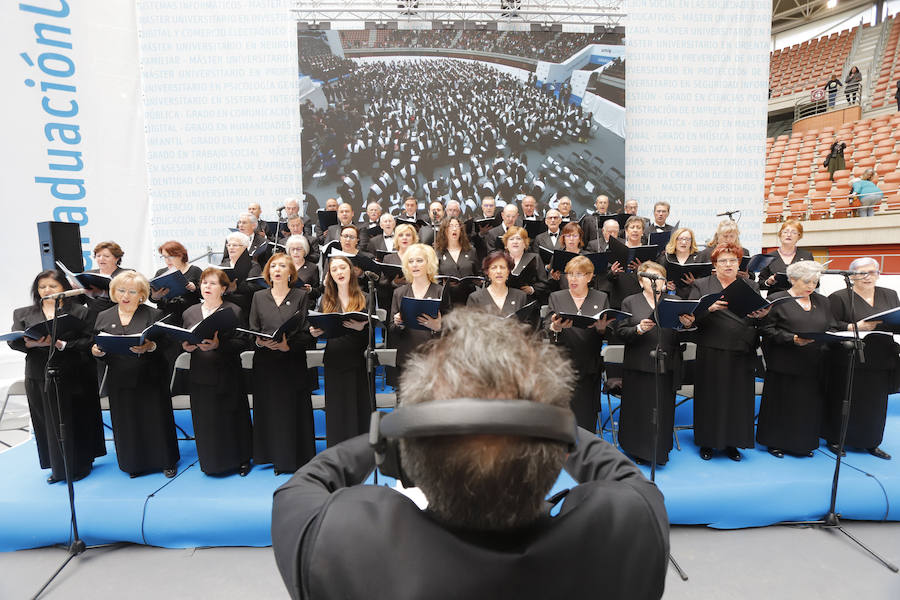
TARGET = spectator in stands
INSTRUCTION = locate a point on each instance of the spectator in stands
(835, 159)
(852, 85)
(897, 95)
(868, 194)
(832, 88)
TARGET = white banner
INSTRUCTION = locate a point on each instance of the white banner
(696, 93)
(221, 93)
(74, 125)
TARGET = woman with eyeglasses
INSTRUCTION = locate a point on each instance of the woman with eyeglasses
(874, 379)
(420, 270)
(219, 408)
(237, 257)
(682, 250)
(283, 432)
(790, 413)
(456, 258)
(787, 253)
(108, 258)
(528, 267)
(639, 333)
(496, 298)
(140, 406)
(724, 375)
(78, 395)
(727, 232)
(297, 248)
(583, 344)
(572, 241)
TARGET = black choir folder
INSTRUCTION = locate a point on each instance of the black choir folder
(524, 313)
(327, 218)
(836, 337)
(675, 271)
(585, 321)
(453, 278)
(888, 317)
(285, 329)
(411, 308)
(241, 268)
(625, 255)
(558, 259)
(65, 324)
(672, 307)
(332, 324)
(223, 319)
(174, 280)
(743, 299)
(122, 344)
(86, 280)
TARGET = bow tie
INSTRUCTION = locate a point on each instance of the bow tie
(387, 237)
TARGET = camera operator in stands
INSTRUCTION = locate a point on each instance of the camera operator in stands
(487, 531)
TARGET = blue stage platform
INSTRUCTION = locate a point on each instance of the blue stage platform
(196, 510)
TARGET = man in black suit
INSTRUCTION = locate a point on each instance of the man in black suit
(487, 531)
(564, 205)
(345, 217)
(552, 238)
(435, 216)
(369, 224)
(385, 241)
(246, 224)
(492, 239)
(610, 229)
(295, 227)
(410, 212)
(530, 210)
(660, 214)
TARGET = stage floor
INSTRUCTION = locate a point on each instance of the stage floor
(195, 510)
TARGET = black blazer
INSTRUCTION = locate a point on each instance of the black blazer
(722, 329)
(638, 346)
(778, 329)
(308, 274)
(482, 300)
(75, 354)
(777, 266)
(322, 506)
(543, 239)
(222, 366)
(127, 371)
(881, 351)
(266, 316)
(583, 345)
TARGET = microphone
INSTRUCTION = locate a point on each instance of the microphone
(839, 272)
(371, 276)
(66, 294)
(728, 213)
(652, 276)
(280, 208)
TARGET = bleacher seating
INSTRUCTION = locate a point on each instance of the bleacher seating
(809, 65)
(549, 46)
(889, 73)
(603, 83)
(797, 182)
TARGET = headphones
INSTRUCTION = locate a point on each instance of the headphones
(464, 416)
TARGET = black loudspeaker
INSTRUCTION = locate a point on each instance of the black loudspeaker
(60, 242)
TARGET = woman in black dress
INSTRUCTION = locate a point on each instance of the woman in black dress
(528, 273)
(176, 257)
(640, 336)
(681, 249)
(420, 270)
(79, 398)
(108, 257)
(283, 432)
(724, 375)
(621, 282)
(237, 258)
(496, 298)
(873, 380)
(297, 247)
(219, 408)
(405, 235)
(456, 258)
(583, 345)
(790, 414)
(790, 232)
(140, 406)
(347, 408)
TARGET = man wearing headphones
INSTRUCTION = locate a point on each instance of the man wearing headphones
(483, 429)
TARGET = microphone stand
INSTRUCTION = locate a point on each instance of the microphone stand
(371, 358)
(51, 386)
(659, 360)
(832, 520)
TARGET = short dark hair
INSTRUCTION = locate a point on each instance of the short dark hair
(173, 248)
(495, 256)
